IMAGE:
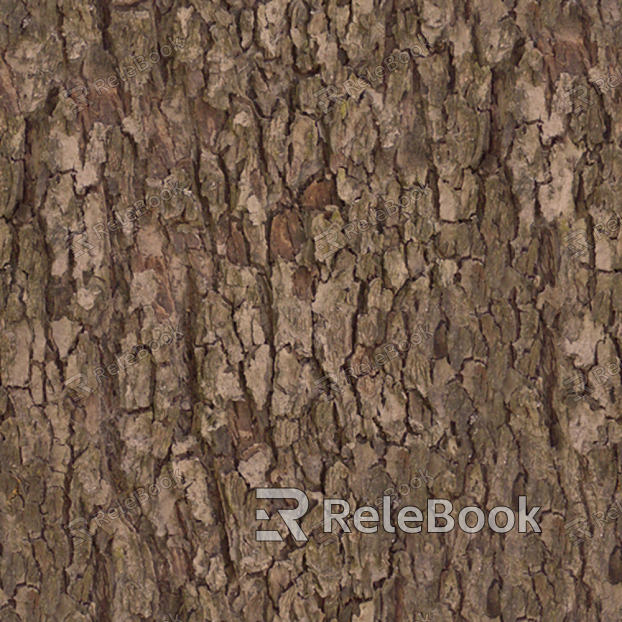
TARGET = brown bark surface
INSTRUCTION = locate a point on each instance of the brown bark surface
(480, 261)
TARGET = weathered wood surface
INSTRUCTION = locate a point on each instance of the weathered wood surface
(481, 261)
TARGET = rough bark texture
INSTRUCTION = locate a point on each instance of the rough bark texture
(232, 406)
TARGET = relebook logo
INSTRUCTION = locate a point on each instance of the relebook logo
(409, 514)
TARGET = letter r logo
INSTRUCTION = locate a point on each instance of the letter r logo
(290, 517)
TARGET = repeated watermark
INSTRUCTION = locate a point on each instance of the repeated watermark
(579, 380)
(78, 526)
(358, 226)
(81, 91)
(325, 539)
(81, 238)
(583, 247)
(390, 353)
(576, 529)
(139, 352)
(408, 514)
(613, 81)
(391, 63)
(140, 208)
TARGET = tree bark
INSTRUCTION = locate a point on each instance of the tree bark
(234, 264)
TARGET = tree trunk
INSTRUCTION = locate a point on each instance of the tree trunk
(270, 134)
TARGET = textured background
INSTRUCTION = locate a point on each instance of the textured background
(232, 118)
